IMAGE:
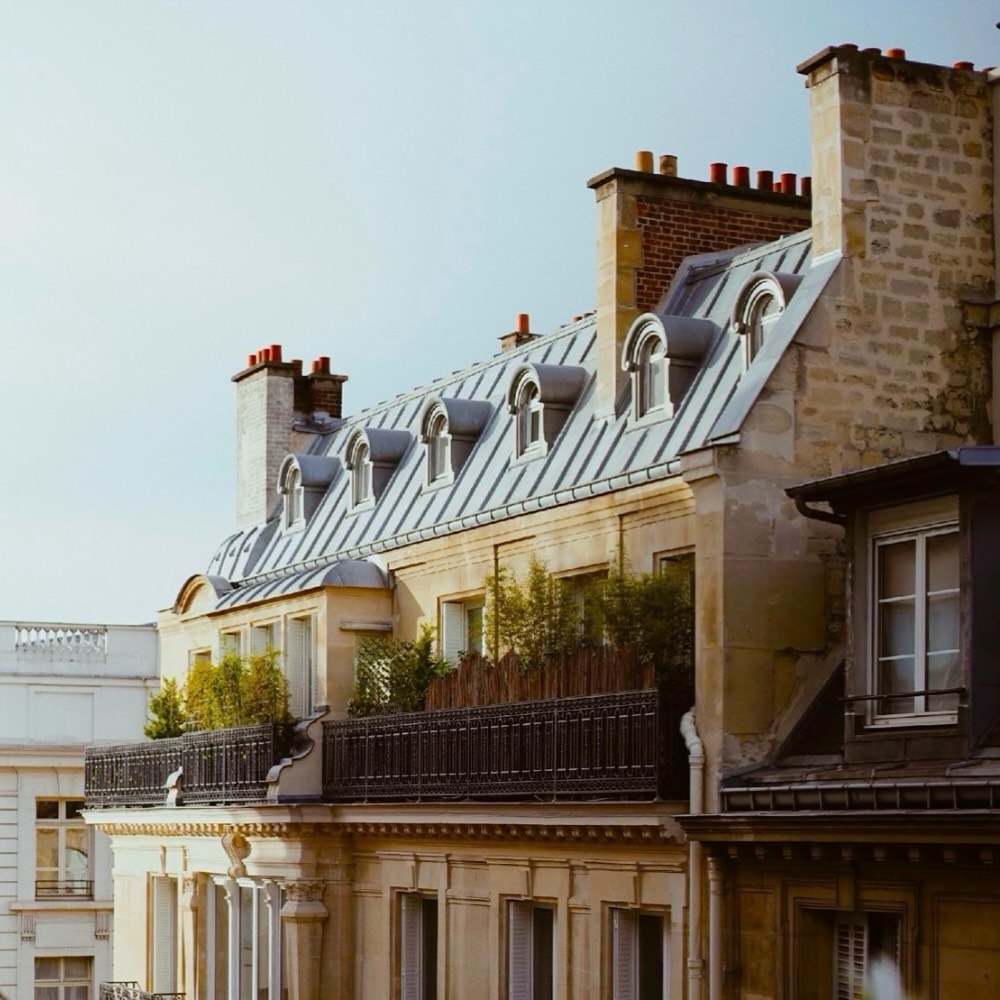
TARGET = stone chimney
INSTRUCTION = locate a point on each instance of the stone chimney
(275, 406)
(902, 162)
(648, 223)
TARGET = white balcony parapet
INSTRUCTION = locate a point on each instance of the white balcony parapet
(61, 640)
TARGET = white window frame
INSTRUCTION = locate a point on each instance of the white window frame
(360, 464)
(262, 637)
(455, 630)
(265, 906)
(413, 930)
(649, 375)
(438, 441)
(917, 522)
(852, 961)
(522, 961)
(529, 420)
(163, 934)
(300, 664)
(61, 825)
(626, 960)
(230, 642)
(294, 507)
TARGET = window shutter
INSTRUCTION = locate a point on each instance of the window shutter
(298, 666)
(849, 974)
(623, 955)
(452, 630)
(260, 639)
(410, 946)
(164, 935)
(519, 950)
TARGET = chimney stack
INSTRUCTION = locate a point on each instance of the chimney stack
(648, 223)
(270, 395)
(521, 334)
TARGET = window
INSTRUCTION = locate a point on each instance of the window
(262, 638)
(418, 946)
(199, 656)
(438, 447)
(294, 505)
(163, 934)
(530, 946)
(758, 305)
(62, 849)
(360, 464)
(461, 628)
(649, 377)
(528, 420)
(638, 956)
(231, 643)
(63, 978)
(915, 623)
(299, 665)
(244, 927)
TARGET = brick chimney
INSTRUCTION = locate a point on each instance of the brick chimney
(648, 223)
(271, 395)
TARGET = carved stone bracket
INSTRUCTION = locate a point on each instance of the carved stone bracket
(237, 849)
(304, 892)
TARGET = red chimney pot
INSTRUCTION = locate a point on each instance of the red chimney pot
(871, 52)
(251, 360)
(717, 173)
(788, 183)
(522, 323)
(806, 187)
(964, 65)
(276, 352)
(896, 53)
(264, 354)
(765, 180)
(741, 176)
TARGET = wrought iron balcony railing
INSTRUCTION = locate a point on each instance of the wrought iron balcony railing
(602, 746)
(54, 888)
(131, 991)
(218, 766)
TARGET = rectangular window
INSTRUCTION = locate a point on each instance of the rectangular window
(638, 956)
(163, 934)
(230, 643)
(300, 666)
(461, 628)
(866, 955)
(262, 638)
(915, 640)
(199, 656)
(418, 946)
(530, 950)
(244, 936)
(63, 978)
(62, 849)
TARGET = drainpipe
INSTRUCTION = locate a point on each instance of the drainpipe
(715, 888)
(696, 763)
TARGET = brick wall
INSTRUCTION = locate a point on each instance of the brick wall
(672, 230)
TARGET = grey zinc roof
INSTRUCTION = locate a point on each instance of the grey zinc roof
(589, 457)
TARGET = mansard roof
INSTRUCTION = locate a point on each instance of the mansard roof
(590, 456)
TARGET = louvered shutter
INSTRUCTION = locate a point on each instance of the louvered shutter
(452, 630)
(410, 946)
(850, 944)
(164, 935)
(298, 659)
(624, 948)
(260, 639)
(519, 950)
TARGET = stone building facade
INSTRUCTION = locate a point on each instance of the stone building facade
(804, 410)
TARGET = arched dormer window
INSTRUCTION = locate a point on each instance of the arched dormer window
(359, 461)
(302, 483)
(760, 302)
(294, 506)
(371, 455)
(540, 398)
(663, 354)
(450, 428)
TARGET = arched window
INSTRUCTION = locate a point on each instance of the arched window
(649, 374)
(360, 464)
(528, 417)
(438, 447)
(294, 508)
(759, 304)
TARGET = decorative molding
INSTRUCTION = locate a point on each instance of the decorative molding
(237, 848)
(304, 892)
(102, 925)
(27, 926)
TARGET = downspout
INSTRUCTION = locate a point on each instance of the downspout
(696, 764)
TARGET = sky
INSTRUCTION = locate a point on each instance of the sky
(389, 184)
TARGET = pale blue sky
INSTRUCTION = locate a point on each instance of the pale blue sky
(386, 183)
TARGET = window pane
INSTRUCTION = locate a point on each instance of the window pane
(942, 562)
(76, 993)
(942, 623)
(73, 808)
(47, 849)
(897, 675)
(897, 633)
(942, 673)
(47, 968)
(897, 569)
(46, 993)
(47, 809)
(76, 968)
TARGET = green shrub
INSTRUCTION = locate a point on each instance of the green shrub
(391, 675)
